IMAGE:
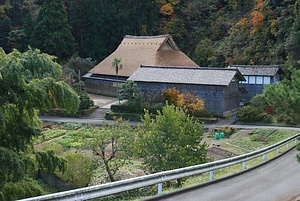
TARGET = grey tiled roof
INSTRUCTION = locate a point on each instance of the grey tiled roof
(261, 70)
(200, 76)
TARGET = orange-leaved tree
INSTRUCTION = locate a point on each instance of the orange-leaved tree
(172, 96)
(191, 103)
(188, 101)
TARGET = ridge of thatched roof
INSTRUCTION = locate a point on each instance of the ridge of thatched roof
(186, 75)
(135, 51)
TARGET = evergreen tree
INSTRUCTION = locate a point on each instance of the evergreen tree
(28, 29)
(5, 25)
(52, 33)
(285, 97)
(28, 83)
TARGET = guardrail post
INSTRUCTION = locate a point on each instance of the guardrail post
(244, 165)
(211, 175)
(159, 189)
(265, 157)
(277, 151)
(296, 141)
(287, 145)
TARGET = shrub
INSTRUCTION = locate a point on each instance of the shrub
(190, 103)
(72, 126)
(259, 138)
(227, 130)
(85, 102)
(250, 114)
(269, 110)
(125, 116)
(172, 96)
(202, 113)
(283, 118)
(128, 107)
(154, 108)
(80, 169)
(258, 101)
(130, 91)
(23, 189)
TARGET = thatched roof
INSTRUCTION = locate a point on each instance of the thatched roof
(258, 70)
(135, 51)
(185, 75)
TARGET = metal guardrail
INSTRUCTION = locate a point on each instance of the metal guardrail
(160, 177)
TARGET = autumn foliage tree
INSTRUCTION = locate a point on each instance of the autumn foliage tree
(257, 21)
(188, 101)
(172, 95)
(191, 103)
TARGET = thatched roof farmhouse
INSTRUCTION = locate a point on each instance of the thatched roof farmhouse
(135, 51)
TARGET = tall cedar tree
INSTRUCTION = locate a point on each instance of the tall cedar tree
(52, 33)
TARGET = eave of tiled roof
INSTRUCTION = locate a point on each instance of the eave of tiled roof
(186, 75)
(258, 70)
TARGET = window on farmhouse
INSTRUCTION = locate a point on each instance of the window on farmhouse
(251, 79)
(259, 80)
(267, 80)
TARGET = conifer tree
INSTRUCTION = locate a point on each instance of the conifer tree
(52, 32)
(28, 83)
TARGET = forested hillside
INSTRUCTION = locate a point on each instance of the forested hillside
(212, 32)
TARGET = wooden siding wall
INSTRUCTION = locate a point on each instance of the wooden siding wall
(231, 99)
(102, 86)
(219, 100)
(252, 89)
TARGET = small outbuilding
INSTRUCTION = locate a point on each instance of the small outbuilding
(256, 77)
(218, 87)
(134, 51)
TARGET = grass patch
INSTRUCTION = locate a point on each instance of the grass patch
(50, 134)
(261, 138)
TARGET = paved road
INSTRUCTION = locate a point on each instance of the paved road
(100, 122)
(79, 120)
(278, 180)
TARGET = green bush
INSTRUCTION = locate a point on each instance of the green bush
(80, 169)
(154, 108)
(283, 118)
(85, 102)
(202, 113)
(131, 107)
(72, 126)
(250, 114)
(259, 138)
(23, 189)
(125, 116)
(128, 107)
(227, 130)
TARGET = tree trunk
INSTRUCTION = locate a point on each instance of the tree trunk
(108, 170)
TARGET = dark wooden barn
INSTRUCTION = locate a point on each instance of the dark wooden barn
(218, 87)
